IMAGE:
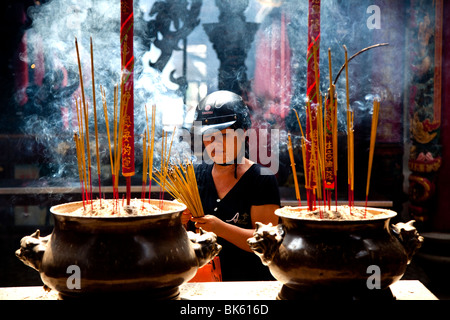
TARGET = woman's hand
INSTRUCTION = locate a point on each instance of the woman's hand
(209, 223)
(232, 233)
(185, 217)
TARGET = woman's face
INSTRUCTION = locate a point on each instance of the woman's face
(224, 146)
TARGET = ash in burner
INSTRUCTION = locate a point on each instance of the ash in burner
(114, 208)
(130, 210)
(339, 214)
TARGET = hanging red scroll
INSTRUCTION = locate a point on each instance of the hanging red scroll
(311, 93)
(127, 62)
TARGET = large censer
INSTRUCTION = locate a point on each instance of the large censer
(337, 259)
(149, 255)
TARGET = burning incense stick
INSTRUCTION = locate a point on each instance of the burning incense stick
(80, 72)
(96, 125)
(85, 113)
(105, 111)
(144, 165)
(152, 145)
(163, 166)
(180, 182)
(303, 143)
(80, 166)
(165, 157)
(331, 78)
(170, 146)
(356, 54)
(81, 148)
(373, 135)
(88, 145)
(148, 154)
(349, 179)
(294, 171)
(350, 156)
(81, 154)
(145, 155)
(115, 117)
(121, 124)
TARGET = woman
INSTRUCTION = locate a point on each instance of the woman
(235, 191)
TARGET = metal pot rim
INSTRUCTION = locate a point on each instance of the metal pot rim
(384, 214)
(57, 211)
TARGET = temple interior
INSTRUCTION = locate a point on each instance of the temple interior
(260, 50)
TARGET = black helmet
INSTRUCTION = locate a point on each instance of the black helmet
(223, 109)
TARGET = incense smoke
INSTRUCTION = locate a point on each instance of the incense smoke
(51, 114)
(341, 24)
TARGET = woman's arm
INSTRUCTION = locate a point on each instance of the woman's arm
(234, 234)
(264, 214)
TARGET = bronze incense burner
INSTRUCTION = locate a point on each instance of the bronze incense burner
(149, 255)
(338, 259)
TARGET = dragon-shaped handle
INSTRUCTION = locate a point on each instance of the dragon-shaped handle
(266, 240)
(408, 236)
(32, 249)
(205, 246)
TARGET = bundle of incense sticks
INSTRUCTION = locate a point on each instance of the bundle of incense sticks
(179, 180)
(82, 137)
(82, 140)
(320, 175)
(322, 148)
(83, 164)
(115, 148)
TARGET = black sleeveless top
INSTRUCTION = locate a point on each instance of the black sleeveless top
(257, 186)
